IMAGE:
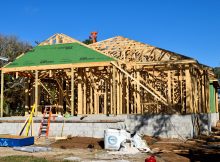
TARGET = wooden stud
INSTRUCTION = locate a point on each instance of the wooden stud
(127, 96)
(139, 111)
(105, 98)
(80, 95)
(36, 92)
(84, 98)
(91, 100)
(164, 102)
(114, 89)
(96, 102)
(189, 105)
(118, 94)
(72, 91)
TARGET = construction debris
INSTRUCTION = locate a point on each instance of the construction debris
(122, 142)
(32, 149)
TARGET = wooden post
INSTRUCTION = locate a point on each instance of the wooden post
(96, 104)
(118, 93)
(105, 98)
(114, 89)
(91, 100)
(134, 111)
(80, 96)
(2, 92)
(169, 87)
(72, 91)
(36, 92)
(84, 98)
(127, 95)
(27, 91)
(138, 93)
(189, 105)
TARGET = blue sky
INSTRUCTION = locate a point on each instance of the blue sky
(189, 27)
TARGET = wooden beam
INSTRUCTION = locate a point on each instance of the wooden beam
(61, 88)
(84, 98)
(2, 92)
(127, 95)
(80, 96)
(46, 90)
(96, 104)
(105, 98)
(139, 111)
(118, 93)
(36, 92)
(72, 91)
(91, 100)
(114, 88)
(57, 66)
(148, 90)
(189, 103)
(186, 61)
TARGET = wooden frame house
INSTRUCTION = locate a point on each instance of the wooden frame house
(114, 76)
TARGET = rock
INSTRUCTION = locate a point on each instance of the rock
(72, 158)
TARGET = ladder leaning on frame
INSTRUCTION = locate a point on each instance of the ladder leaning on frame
(28, 122)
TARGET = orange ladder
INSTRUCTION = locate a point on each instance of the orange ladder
(45, 123)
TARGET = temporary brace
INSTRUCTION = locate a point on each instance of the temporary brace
(148, 90)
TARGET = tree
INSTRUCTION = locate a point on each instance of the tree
(11, 47)
(217, 72)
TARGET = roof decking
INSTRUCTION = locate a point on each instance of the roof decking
(59, 54)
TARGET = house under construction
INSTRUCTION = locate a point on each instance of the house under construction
(114, 76)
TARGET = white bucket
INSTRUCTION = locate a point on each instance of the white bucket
(114, 137)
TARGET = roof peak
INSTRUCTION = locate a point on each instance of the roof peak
(58, 38)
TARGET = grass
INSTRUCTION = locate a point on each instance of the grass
(22, 159)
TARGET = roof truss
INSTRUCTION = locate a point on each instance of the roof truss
(133, 51)
(57, 39)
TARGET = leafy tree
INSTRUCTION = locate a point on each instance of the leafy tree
(217, 72)
(11, 47)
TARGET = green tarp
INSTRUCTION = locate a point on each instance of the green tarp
(59, 54)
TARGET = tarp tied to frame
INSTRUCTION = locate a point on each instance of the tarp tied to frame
(59, 54)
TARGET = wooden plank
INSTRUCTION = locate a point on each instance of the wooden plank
(96, 104)
(114, 88)
(189, 104)
(186, 61)
(80, 96)
(2, 92)
(127, 95)
(91, 101)
(169, 87)
(105, 98)
(84, 98)
(59, 66)
(72, 91)
(36, 92)
(138, 93)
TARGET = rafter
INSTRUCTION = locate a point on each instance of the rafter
(132, 51)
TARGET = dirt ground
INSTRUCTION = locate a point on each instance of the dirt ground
(87, 149)
(169, 150)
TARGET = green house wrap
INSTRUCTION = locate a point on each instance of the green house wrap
(59, 54)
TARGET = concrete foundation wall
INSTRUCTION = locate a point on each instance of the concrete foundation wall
(168, 126)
